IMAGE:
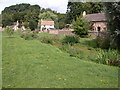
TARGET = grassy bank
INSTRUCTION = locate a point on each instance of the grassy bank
(32, 64)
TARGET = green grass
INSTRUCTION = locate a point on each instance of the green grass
(32, 64)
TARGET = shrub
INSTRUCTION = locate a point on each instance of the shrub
(49, 39)
(110, 57)
(103, 40)
(9, 31)
(91, 43)
(29, 36)
(70, 40)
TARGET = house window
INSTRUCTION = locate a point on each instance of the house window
(98, 28)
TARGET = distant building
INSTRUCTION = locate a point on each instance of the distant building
(1, 29)
(47, 24)
(15, 27)
(97, 20)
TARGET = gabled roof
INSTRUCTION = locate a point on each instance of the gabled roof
(47, 22)
(95, 17)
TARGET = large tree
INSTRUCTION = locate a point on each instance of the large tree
(113, 19)
(20, 12)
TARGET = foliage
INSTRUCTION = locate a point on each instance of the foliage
(58, 18)
(61, 21)
(48, 15)
(103, 40)
(110, 57)
(70, 40)
(33, 24)
(29, 36)
(9, 31)
(43, 28)
(49, 39)
(73, 52)
(91, 43)
(26, 24)
(113, 18)
(75, 9)
(81, 26)
(22, 13)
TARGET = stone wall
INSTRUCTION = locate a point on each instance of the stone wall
(61, 32)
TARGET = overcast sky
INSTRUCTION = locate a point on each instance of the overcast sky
(57, 5)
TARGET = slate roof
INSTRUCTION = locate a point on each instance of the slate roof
(47, 22)
(95, 17)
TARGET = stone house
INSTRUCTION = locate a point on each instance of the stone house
(97, 20)
(47, 24)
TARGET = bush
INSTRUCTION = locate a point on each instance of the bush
(49, 39)
(103, 40)
(9, 31)
(29, 36)
(110, 57)
(70, 40)
(91, 43)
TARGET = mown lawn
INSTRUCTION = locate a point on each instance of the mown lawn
(32, 64)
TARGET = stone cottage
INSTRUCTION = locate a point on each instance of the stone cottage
(97, 20)
(47, 24)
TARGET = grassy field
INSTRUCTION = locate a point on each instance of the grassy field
(32, 64)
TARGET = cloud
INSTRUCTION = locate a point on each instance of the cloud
(57, 5)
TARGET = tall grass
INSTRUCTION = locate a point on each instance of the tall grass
(110, 57)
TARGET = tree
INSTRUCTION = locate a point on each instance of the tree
(74, 9)
(61, 20)
(20, 12)
(81, 26)
(32, 25)
(48, 16)
(113, 19)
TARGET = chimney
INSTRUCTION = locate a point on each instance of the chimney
(84, 13)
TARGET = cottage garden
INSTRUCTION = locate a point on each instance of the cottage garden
(43, 60)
